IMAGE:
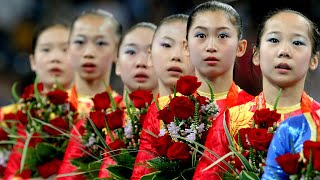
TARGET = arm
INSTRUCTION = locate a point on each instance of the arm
(146, 151)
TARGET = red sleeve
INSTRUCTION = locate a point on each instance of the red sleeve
(244, 97)
(146, 151)
(218, 143)
(74, 150)
(13, 165)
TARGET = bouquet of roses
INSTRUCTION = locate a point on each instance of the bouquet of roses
(104, 118)
(186, 119)
(44, 121)
(249, 155)
(120, 160)
(303, 165)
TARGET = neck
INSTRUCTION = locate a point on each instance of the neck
(219, 84)
(90, 88)
(164, 90)
(289, 96)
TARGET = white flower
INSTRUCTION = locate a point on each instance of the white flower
(92, 140)
(162, 132)
(173, 129)
(211, 109)
(4, 157)
(200, 128)
(191, 137)
(128, 129)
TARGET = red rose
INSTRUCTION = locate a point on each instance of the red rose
(187, 85)
(182, 107)
(314, 147)
(3, 135)
(117, 144)
(25, 174)
(202, 100)
(59, 123)
(98, 118)
(162, 144)
(166, 115)
(266, 118)
(2, 169)
(22, 117)
(141, 98)
(289, 163)
(260, 139)
(243, 137)
(9, 116)
(101, 101)
(179, 151)
(114, 119)
(49, 168)
(58, 96)
(36, 138)
(28, 91)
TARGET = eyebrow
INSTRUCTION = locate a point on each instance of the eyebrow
(167, 37)
(278, 32)
(205, 28)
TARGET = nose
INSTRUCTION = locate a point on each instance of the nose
(284, 51)
(176, 54)
(211, 46)
(57, 55)
(89, 51)
(142, 61)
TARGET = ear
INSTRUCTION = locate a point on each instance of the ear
(118, 71)
(242, 47)
(314, 61)
(185, 47)
(32, 62)
(255, 56)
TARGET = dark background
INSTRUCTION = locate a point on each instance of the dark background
(18, 19)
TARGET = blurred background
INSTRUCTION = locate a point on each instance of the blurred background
(18, 19)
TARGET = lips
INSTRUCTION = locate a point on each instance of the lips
(55, 71)
(283, 66)
(141, 77)
(89, 67)
(211, 60)
(175, 69)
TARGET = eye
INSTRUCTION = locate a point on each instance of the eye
(298, 43)
(130, 52)
(223, 35)
(78, 42)
(166, 45)
(273, 40)
(45, 49)
(101, 43)
(200, 35)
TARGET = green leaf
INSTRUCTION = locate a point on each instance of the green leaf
(113, 103)
(14, 93)
(225, 127)
(120, 172)
(36, 91)
(211, 91)
(150, 176)
(245, 175)
(25, 150)
(46, 150)
(244, 161)
(277, 100)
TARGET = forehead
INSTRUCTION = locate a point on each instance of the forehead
(289, 23)
(210, 18)
(56, 34)
(175, 30)
(93, 24)
(139, 35)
